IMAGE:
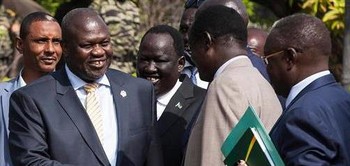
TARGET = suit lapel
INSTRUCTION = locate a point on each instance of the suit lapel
(121, 102)
(322, 81)
(71, 104)
(176, 106)
(4, 113)
(5, 99)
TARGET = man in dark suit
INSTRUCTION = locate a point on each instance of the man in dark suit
(314, 128)
(161, 61)
(39, 59)
(50, 120)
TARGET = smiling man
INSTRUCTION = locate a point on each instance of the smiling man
(161, 61)
(39, 43)
(84, 113)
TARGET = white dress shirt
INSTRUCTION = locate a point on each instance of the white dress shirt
(21, 82)
(163, 100)
(199, 82)
(105, 97)
(297, 88)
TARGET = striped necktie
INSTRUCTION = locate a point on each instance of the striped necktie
(93, 109)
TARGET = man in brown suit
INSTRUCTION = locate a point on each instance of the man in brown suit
(221, 57)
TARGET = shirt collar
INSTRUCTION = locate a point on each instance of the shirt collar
(21, 82)
(164, 99)
(187, 64)
(222, 67)
(297, 88)
(78, 83)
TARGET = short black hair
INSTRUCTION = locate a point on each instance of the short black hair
(193, 3)
(237, 5)
(219, 21)
(75, 17)
(33, 17)
(178, 42)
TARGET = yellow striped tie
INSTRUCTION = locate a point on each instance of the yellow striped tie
(93, 109)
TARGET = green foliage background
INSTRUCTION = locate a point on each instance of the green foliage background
(51, 5)
(332, 13)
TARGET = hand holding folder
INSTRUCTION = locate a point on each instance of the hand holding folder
(250, 142)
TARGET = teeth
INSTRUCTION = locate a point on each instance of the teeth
(97, 63)
(152, 79)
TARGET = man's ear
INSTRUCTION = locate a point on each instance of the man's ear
(290, 57)
(208, 39)
(181, 64)
(19, 45)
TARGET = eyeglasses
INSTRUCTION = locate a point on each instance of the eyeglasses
(193, 3)
(269, 56)
(292, 49)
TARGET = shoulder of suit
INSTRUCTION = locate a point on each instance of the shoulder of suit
(187, 81)
(7, 85)
(198, 91)
(39, 84)
(126, 78)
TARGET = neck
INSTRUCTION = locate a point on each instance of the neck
(309, 70)
(231, 53)
(31, 75)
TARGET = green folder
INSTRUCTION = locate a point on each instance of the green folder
(249, 141)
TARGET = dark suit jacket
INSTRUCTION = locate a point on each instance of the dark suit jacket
(258, 63)
(49, 125)
(175, 123)
(314, 129)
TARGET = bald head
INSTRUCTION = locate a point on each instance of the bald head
(298, 46)
(302, 32)
(77, 19)
(233, 4)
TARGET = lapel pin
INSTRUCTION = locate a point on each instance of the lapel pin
(178, 105)
(123, 93)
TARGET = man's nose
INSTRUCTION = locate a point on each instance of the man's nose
(50, 47)
(151, 67)
(97, 50)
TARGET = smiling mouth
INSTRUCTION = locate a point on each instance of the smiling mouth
(153, 79)
(49, 60)
(97, 64)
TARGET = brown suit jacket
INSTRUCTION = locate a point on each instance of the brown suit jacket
(228, 97)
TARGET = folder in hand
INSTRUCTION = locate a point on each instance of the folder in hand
(250, 142)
